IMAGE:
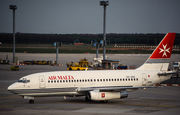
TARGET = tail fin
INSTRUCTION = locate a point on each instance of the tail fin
(159, 59)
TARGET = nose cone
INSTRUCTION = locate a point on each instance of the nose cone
(12, 87)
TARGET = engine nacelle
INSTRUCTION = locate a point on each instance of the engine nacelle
(92, 95)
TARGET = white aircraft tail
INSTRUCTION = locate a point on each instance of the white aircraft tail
(159, 59)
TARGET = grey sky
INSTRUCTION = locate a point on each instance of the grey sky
(86, 16)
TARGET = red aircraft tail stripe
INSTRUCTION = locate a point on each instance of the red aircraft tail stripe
(164, 49)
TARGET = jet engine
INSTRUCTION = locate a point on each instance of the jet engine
(101, 96)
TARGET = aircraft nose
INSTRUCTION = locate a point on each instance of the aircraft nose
(11, 87)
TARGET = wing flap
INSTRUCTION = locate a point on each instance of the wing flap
(110, 89)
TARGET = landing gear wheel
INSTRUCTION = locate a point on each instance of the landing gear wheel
(31, 101)
(88, 97)
(105, 101)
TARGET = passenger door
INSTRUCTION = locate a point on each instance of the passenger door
(42, 82)
(144, 79)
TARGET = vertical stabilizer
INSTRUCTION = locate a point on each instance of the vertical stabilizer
(159, 59)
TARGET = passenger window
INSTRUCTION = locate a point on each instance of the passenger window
(123, 79)
(103, 79)
(51, 81)
(69, 80)
(83, 80)
(117, 79)
(94, 80)
(97, 80)
(137, 79)
(58, 81)
(114, 79)
(63, 80)
(100, 79)
(77, 80)
(106, 79)
(66, 80)
(128, 79)
(109, 79)
(54, 81)
(48, 81)
(88, 80)
(120, 79)
(74, 80)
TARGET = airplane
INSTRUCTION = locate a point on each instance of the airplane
(99, 85)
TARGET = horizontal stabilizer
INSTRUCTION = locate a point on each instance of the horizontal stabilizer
(168, 73)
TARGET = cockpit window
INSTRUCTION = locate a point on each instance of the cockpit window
(24, 80)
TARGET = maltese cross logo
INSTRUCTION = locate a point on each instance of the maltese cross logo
(164, 50)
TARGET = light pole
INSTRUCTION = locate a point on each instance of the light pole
(57, 51)
(13, 7)
(104, 3)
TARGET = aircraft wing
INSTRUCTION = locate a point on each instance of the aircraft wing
(110, 89)
(168, 73)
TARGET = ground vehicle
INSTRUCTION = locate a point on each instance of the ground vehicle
(14, 68)
(81, 65)
(176, 65)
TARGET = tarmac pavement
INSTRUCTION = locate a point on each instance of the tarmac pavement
(152, 101)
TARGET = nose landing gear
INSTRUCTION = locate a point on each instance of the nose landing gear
(31, 101)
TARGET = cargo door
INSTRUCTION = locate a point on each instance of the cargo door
(144, 79)
(42, 82)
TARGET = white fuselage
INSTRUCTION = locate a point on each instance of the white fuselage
(65, 83)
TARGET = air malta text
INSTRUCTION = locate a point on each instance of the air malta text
(66, 77)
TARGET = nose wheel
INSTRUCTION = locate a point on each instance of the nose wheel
(31, 101)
